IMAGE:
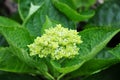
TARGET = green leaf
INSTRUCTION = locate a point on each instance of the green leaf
(116, 51)
(18, 39)
(46, 25)
(84, 3)
(94, 40)
(107, 15)
(11, 63)
(3, 41)
(71, 13)
(101, 61)
(4, 21)
(69, 3)
(79, 4)
(32, 62)
(67, 65)
(32, 10)
(13, 76)
(36, 21)
(111, 73)
(25, 7)
(18, 36)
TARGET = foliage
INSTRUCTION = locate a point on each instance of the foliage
(95, 53)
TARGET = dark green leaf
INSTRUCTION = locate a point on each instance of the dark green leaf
(107, 14)
(102, 61)
(13, 76)
(111, 73)
(3, 41)
(116, 51)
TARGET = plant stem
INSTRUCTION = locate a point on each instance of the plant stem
(60, 76)
(49, 76)
(25, 20)
(20, 13)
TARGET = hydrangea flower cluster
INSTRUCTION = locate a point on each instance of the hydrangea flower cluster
(57, 43)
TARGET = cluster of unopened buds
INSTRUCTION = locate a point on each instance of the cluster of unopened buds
(56, 43)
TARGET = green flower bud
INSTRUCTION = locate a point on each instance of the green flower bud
(57, 43)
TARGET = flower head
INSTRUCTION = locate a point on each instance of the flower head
(57, 43)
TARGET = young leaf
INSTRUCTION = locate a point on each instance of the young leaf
(46, 25)
(33, 9)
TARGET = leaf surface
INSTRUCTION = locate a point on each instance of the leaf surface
(6, 22)
(13, 76)
(36, 21)
(18, 39)
(100, 62)
(9, 62)
(116, 51)
(94, 40)
(107, 15)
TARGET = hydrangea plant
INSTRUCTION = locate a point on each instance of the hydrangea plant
(55, 53)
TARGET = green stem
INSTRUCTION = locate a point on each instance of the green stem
(49, 76)
(21, 16)
(46, 75)
(25, 20)
(60, 76)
